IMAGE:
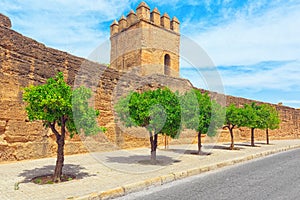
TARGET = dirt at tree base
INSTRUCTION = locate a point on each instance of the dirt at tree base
(48, 179)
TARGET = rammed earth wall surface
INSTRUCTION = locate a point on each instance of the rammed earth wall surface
(24, 62)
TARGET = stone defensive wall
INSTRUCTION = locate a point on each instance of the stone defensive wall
(24, 62)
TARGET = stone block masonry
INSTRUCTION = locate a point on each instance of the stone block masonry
(24, 61)
(146, 41)
(5, 21)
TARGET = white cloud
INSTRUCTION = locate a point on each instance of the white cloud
(252, 38)
(72, 26)
(177, 3)
(284, 77)
(291, 101)
(260, 31)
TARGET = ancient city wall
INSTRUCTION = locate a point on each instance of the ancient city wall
(24, 61)
(289, 126)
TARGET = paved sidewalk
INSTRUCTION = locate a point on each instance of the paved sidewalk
(111, 174)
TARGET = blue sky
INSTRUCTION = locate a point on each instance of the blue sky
(255, 45)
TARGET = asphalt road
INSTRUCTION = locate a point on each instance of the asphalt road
(276, 177)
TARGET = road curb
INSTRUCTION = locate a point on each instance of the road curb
(161, 180)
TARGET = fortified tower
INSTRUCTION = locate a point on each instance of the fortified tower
(146, 42)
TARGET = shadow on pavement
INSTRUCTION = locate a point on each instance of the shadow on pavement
(184, 151)
(49, 169)
(142, 160)
(264, 143)
(246, 145)
(179, 151)
(202, 153)
(227, 147)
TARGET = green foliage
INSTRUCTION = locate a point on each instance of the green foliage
(218, 114)
(56, 101)
(122, 108)
(200, 113)
(260, 116)
(269, 117)
(252, 116)
(172, 112)
(158, 111)
(190, 110)
(234, 116)
(16, 186)
(50, 182)
(48, 102)
(38, 181)
(84, 116)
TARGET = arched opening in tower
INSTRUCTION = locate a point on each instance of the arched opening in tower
(167, 64)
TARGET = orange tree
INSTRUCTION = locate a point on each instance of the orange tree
(158, 111)
(253, 118)
(270, 119)
(56, 104)
(201, 114)
(233, 119)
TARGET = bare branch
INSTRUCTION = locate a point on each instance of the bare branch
(226, 126)
(52, 126)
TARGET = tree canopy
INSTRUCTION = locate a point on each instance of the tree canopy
(201, 114)
(234, 118)
(56, 104)
(156, 110)
(253, 118)
(270, 119)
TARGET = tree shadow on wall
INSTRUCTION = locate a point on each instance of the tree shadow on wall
(143, 160)
(75, 170)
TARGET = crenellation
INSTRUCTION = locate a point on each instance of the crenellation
(122, 23)
(165, 21)
(131, 18)
(155, 17)
(143, 14)
(114, 28)
(175, 24)
(143, 11)
(24, 61)
(146, 39)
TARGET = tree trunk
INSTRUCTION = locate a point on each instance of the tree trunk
(60, 153)
(153, 142)
(59, 161)
(166, 142)
(232, 140)
(267, 135)
(252, 137)
(199, 142)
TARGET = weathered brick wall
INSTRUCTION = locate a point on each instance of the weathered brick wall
(5, 21)
(289, 126)
(24, 61)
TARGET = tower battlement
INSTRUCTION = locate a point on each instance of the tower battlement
(143, 14)
(146, 42)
